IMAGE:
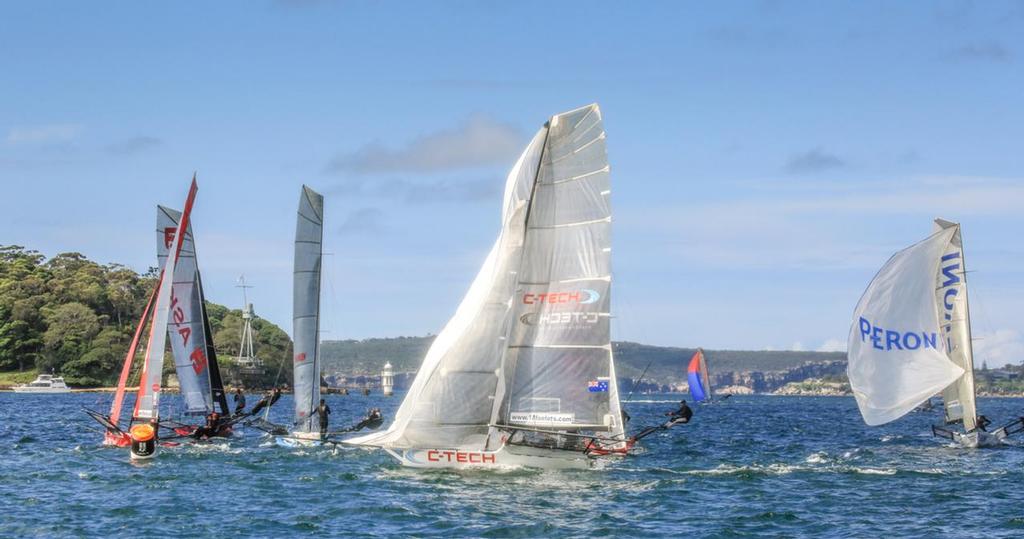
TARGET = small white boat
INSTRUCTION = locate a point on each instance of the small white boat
(44, 383)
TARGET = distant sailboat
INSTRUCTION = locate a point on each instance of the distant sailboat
(911, 338)
(697, 375)
(523, 374)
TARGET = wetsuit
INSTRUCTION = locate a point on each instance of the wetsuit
(239, 403)
(323, 411)
(274, 397)
(260, 405)
(684, 413)
(983, 423)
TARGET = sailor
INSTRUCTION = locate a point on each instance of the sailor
(239, 401)
(983, 422)
(625, 416)
(276, 395)
(267, 400)
(683, 414)
(208, 430)
(323, 411)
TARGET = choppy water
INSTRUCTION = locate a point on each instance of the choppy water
(751, 466)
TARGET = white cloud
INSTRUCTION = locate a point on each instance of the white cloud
(998, 348)
(43, 134)
(478, 141)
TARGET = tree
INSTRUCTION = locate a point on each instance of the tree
(70, 329)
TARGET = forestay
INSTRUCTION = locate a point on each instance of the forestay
(897, 356)
(529, 344)
(185, 325)
(309, 228)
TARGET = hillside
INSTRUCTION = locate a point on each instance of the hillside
(667, 364)
(74, 317)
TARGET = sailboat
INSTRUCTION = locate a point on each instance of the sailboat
(697, 375)
(142, 432)
(188, 330)
(309, 233)
(911, 338)
(523, 373)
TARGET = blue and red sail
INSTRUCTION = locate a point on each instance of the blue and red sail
(697, 374)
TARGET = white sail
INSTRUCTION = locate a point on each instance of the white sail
(896, 353)
(185, 325)
(147, 403)
(954, 320)
(529, 344)
(309, 231)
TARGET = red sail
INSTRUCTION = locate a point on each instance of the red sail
(115, 408)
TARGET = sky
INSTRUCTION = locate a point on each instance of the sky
(767, 157)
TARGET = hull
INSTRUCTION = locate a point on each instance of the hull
(26, 389)
(299, 439)
(506, 457)
(118, 439)
(976, 439)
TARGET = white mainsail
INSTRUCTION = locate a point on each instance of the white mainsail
(309, 231)
(955, 322)
(905, 345)
(147, 404)
(529, 346)
(185, 325)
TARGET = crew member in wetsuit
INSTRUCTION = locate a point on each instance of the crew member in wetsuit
(983, 423)
(372, 416)
(267, 400)
(323, 411)
(683, 414)
(239, 401)
(625, 417)
(208, 430)
(276, 395)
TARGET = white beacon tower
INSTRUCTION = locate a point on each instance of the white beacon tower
(387, 380)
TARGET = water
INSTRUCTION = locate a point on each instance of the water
(751, 466)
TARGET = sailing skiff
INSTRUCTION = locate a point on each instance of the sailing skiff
(523, 373)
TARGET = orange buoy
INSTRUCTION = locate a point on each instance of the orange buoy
(142, 433)
(143, 444)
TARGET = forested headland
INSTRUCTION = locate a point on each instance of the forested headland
(75, 317)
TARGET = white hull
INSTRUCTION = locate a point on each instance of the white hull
(976, 439)
(136, 457)
(506, 457)
(299, 439)
(27, 389)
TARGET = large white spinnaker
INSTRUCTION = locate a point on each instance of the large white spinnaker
(451, 401)
(309, 232)
(897, 355)
(529, 346)
(185, 325)
(955, 324)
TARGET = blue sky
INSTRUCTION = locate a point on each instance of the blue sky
(767, 157)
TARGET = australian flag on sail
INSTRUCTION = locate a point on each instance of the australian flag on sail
(595, 386)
